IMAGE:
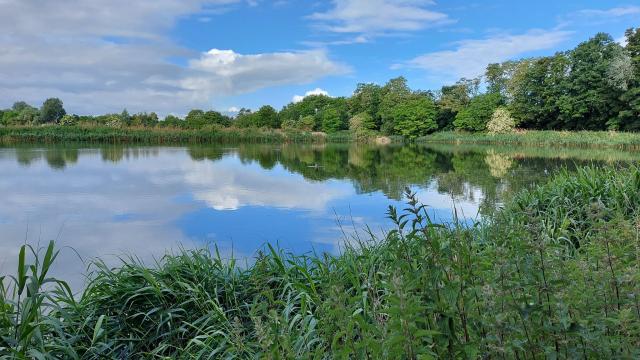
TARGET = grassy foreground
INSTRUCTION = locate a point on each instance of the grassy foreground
(582, 139)
(555, 274)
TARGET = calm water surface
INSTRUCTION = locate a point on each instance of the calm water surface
(109, 201)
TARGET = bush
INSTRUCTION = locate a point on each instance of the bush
(69, 120)
(362, 121)
(501, 122)
(476, 116)
(305, 124)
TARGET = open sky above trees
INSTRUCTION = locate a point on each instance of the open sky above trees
(171, 56)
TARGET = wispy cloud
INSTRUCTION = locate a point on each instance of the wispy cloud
(612, 12)
(375, 17)
(469, 58)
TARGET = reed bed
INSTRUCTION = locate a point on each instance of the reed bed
(554, 274)
(159, 136)
(581, 139)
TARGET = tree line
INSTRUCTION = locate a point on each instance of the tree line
(595, 86)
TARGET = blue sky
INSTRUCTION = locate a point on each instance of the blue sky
(170, 56)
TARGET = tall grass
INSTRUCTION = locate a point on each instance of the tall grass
(581, 139)
(60, 134)
(555, 274)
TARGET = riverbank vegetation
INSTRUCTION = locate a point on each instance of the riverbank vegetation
(555, 273)
(542, 138)
(595, 86)
(160, 136)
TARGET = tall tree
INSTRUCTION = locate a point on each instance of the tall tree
(476, 116)
(366, 99)
(52, 111)
(629, 116)
(267, 116)
(415, 117)
(393, 93)
(591, 102)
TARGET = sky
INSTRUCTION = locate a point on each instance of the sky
(170, 56)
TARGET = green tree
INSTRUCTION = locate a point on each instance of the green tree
(195, 119)
(497, 77)
(536, 91)
(245, 118)
(393, 93)
(476, 116)
(52, 111)
(362, 122)
(267, 116)
(309, 106)
(415, 117)
(331, 120)
(366, 99)
(125, 117)
(18, 106)
(590, 101)
(629, 115)
(453, 98)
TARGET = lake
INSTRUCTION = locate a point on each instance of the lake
(109, 201)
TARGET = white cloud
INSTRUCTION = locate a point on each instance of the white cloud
(379, 16)
(224, 187)
(104, 56)
(470, 57)
(316, 91)
(227, 72)
(622, 40)
(613, 12)
(233, 109)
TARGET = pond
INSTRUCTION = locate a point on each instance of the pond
(108, 201)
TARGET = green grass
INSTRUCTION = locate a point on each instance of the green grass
(105, 135)
(604, 154)
(583, 139)
(555, 274)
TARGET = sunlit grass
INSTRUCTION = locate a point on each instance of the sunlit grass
(541, 138)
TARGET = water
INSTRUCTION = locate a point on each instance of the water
(113, 200)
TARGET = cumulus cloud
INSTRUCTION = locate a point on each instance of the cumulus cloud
(227, 72)
(379, 16)
(102, 56)
(470, 57)
(316, 91)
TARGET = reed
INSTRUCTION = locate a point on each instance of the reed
(543, 138)
(554, 273)
(106, 135)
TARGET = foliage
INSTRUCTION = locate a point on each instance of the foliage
(501, 122)
(555, 274)
(267, 116)
(415, 117)
(476, 116)
(362, 122)
(594, 86)
(197, 119)
(576, 139)
(52, 111)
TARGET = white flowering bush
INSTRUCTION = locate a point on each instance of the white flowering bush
(501, 122)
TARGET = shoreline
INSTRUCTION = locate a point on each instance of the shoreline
(175, 136)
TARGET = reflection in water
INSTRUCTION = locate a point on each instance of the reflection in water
(144, 200)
